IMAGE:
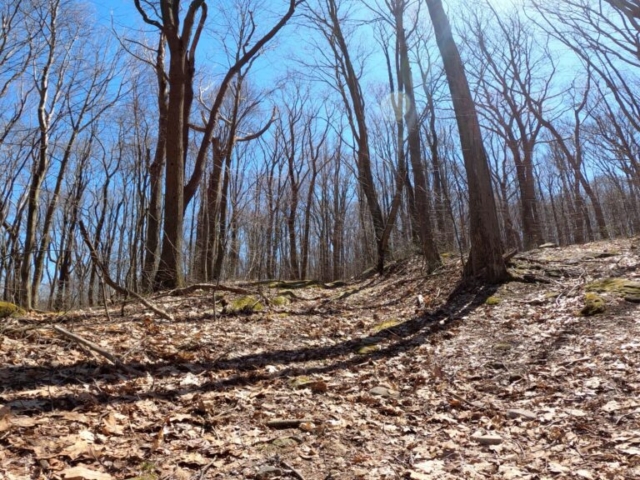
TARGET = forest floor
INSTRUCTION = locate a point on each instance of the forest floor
(365, 380)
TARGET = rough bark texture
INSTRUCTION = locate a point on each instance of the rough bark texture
(486, 256)
(154, 213)
(420, 194)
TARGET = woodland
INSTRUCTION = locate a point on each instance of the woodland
(319, 239)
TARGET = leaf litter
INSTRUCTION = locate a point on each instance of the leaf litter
(381, 378)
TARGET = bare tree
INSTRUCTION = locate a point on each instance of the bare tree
(509, 65)
(74, 80)
(327, 17)
(182, 38)
(486, 256)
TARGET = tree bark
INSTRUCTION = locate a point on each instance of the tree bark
(486, 256)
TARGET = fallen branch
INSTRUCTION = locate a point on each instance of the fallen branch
(92, 346)
(209, 286)
(292, 470)
(109, 281)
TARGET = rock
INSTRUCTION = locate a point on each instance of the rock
(280, 301)
(632, 298)
(620, 286)
(246, 304)
(520, 413)
(503, 346)
(548, 245)
(490, 439)
(286, 442)
(381, 391)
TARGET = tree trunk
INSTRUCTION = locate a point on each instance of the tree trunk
(420, 193)
(486, 256)
(154, 214)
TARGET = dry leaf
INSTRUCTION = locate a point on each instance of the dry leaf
(84, 473)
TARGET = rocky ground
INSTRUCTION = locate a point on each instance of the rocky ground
(383, 378)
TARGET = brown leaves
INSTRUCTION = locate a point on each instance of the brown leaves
(84, 473)
(530, 392)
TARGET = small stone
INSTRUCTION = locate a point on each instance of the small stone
(487, 439)
(381, 391)
(548, 245)
(519, 413)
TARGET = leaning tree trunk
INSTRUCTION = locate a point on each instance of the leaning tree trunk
(486, 256)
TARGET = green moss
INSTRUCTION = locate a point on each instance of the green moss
(593, 304)
(386, 324)
(620, 286)
(9, 309)
(247, 304)
(492, 301)
(280, 301)
(446, 255)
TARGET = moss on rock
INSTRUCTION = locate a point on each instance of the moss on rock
(627, 289)
(593, 304)
(492, 301)
(621, 286)
(8, 309)
(246, 304)
(280, 301)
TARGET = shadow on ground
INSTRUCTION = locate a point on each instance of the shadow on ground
(244, 370)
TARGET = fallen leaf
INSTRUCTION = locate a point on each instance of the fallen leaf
(584, 474)
(84, 473)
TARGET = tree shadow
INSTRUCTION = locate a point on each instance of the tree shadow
(246, 370)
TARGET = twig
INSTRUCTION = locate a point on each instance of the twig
(204, 470)
(461, 399)
(92, 346)
(105, 275)
(292, 470)
(104, 300)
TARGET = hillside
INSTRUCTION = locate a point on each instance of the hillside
(363, 380)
